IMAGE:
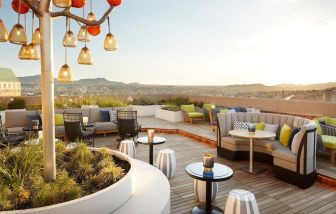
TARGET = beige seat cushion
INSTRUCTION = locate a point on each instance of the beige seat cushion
(105, 126)
(14, 130)
(240, 144)
(283, 153)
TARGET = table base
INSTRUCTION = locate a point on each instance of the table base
(256, 169)
(201, 210)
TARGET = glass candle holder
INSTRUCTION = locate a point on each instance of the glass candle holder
(208, 160)
(251, 128)
(150, 135)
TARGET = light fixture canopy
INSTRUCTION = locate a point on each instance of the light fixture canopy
(62, 3)
(22, 52)
(36, 37)
(3, 32)
(83, 35)
(18, 35)
(85, 57)
(110, 43)
(32, 52)
(65, 74)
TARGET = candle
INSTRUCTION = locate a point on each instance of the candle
(208, 160)
(85, 120)
(150, 135)
(35, 124)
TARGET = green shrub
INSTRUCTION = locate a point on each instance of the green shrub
(34, 107)
(101, 101)
(143, 101)
(178, 101)
(5, 194)
(17, 103)
(3, 106)
(171, 108)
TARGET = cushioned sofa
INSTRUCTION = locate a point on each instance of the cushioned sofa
(298, 169)
(16, 120)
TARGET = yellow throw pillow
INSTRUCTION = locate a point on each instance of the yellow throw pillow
(285, 135)
(59, 120)
(260, 126)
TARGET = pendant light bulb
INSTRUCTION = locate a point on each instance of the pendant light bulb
(36, 37)
(110, 43)
(3, 32)
(22, 52)
(62, 3)
(65, 74)
(69, 39)
(85, 57)
(32, 52)
(17, 35)
(83, 35)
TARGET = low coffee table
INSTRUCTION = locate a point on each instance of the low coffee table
(219, 172)
(156, 141)
(259, 134)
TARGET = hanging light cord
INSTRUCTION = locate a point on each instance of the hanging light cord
(91, 6)
(25, 23)
(19, 13)
(66, 45)
(32, 26)
(108, 22)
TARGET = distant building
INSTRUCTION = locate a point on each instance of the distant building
(329, 95)
(9, 84)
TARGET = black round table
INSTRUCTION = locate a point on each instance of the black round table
(156, 141)
(218, 173)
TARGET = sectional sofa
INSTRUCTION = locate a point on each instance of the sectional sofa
(16, 120)
(298, 169)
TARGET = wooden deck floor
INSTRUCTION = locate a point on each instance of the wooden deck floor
(273, 196)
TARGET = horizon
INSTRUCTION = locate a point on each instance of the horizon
(255, 40)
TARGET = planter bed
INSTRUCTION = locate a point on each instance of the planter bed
(172, 116)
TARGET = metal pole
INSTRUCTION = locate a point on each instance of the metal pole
(47, 80)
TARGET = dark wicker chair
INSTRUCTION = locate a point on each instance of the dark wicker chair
(128, 126)
(74, 129)
(9, 139)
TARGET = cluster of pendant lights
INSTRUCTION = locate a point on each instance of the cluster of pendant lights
(30, 51)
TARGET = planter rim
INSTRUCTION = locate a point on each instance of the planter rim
(87, 197)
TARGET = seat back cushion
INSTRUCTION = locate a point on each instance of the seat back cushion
(17, 118)
(188, 108)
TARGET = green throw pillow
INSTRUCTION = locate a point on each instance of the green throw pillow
(188, 108)
(331, 121)
(223, 110)
(59, 120)
(260, 126)
(285, 135)
(209, 106)
(318, 127)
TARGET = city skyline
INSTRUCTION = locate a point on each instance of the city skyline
(202, 43)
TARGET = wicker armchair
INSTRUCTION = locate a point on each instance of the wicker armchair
(327, 140)
(74, 129)
(192, 112)
(128, 126)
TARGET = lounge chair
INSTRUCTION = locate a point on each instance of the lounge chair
(191, 113)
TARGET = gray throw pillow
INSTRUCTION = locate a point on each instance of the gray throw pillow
(113, 116)
(271, 128)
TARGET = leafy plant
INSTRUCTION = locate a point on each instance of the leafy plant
(143, 101)
(178, 101)
(34, 107)
(17, 103)
(171, 108)
(3, 106)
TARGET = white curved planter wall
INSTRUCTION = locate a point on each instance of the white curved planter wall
(107, 200)
(146, 110)
(172, 116)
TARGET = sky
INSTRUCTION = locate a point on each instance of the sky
(200, 42)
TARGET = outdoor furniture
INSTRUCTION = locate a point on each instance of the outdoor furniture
(128, 147)
(296, 165)
(207, 110)
(74, 129)
(219, 173)
(200, 190)
(10, 139)
(156, 141)
(127, 123)
(260, 135)
(166, 162)
(326, 138)
(241, 202)
(213, 117)
(191, 113)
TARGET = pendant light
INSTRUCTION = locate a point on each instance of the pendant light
(69, 38)
(65, 73)
(36, 37)
(78, 3)
(85, 57)
(83, 36)
(23, 49)
(32, 52)
(95, 29)
(62, 3)
(110, 43)
(3, 31)
(17, 34)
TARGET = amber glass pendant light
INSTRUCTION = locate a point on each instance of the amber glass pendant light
(3, 30)
(62, 3)
(17, 35)
(32, 52)
(69, 38)
(85, 57)
(65, 73)
(110, 43)
(83, 36)
(23, 48)
(36, 37)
